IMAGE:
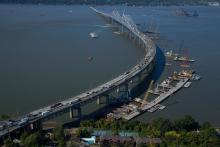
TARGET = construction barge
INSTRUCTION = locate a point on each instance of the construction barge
(167, 88)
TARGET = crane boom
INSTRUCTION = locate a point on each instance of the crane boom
(147, 93)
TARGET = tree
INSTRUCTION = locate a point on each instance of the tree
(61, 143)
(31, 140)
(83, 132)
(160, 124)
(59, 135)
(206, 125)
(115, 132)
(4, 117)
(187, 123)
(72, 143)
(23, 137)
(9, 143)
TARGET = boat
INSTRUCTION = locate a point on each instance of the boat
(216, 4)
(195, 77)
(182, 12)
(93, 35)
(117, 32)
(171, 54)
(183, 59)
(187, 84)
(90, 58)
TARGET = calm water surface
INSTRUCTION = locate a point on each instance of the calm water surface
(44, 54)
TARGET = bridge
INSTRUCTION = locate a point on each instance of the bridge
(33, 120)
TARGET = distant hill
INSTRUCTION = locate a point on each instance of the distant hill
(114, 2)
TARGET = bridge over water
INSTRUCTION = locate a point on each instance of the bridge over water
(33, 120)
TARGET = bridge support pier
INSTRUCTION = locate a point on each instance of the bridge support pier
(36, 126)
(118, 89)
(126, 87)
(127, 91)
(139, 78)
(78, 113)
(104, 99)
(107, 99)
(99, 100)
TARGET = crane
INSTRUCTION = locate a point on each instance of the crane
(144, 102)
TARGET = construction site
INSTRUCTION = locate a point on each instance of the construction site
(157, 92)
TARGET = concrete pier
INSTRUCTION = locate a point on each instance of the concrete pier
(75, 112)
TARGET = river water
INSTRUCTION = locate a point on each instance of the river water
(44, 54)
(45, 50)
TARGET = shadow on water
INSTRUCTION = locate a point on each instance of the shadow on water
(155, 74)
(159, 66)
(136, 91)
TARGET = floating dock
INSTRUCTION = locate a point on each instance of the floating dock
(165, 95)
(163, 91)
(187, 84)
(156, 107)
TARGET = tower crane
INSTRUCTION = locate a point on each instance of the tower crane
(144, 102)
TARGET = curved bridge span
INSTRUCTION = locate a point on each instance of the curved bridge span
(34, 119)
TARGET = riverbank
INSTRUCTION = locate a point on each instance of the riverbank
(184, 131)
